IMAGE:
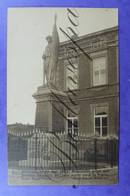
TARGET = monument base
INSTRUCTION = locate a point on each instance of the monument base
(49, 109)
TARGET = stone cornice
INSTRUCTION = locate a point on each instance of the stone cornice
(107, 37)
(91, 35)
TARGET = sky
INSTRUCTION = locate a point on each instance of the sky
(27, 30)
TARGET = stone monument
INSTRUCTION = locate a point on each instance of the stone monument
(47, 117)
(50, 56)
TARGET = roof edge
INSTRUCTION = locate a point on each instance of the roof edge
(114, 28)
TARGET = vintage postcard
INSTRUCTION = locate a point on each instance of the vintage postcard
(63, 96)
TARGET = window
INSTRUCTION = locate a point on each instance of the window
(72, 76)
(99, 71)
(72, 123)
(100, 122)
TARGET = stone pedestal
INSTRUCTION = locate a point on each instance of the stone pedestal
(49, 109)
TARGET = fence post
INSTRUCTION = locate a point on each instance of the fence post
(114, 152)
(19, 151)
(107, 147)
(117, 151)
(70, 152)
(111, 152)
(36, 151)
(95, 152)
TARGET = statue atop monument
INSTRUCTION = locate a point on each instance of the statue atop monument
(50, 56)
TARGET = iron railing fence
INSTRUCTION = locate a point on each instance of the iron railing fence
(60, 151)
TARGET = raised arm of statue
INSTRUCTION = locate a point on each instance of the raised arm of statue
(55, 36)
(55, 52)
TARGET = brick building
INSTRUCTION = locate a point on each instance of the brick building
(86, 96)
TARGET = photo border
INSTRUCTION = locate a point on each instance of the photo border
(124, 58)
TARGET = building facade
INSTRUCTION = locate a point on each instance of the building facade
(86, 96)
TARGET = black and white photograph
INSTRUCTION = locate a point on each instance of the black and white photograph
(62, 96)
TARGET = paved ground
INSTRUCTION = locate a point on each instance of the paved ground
(93, 177)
